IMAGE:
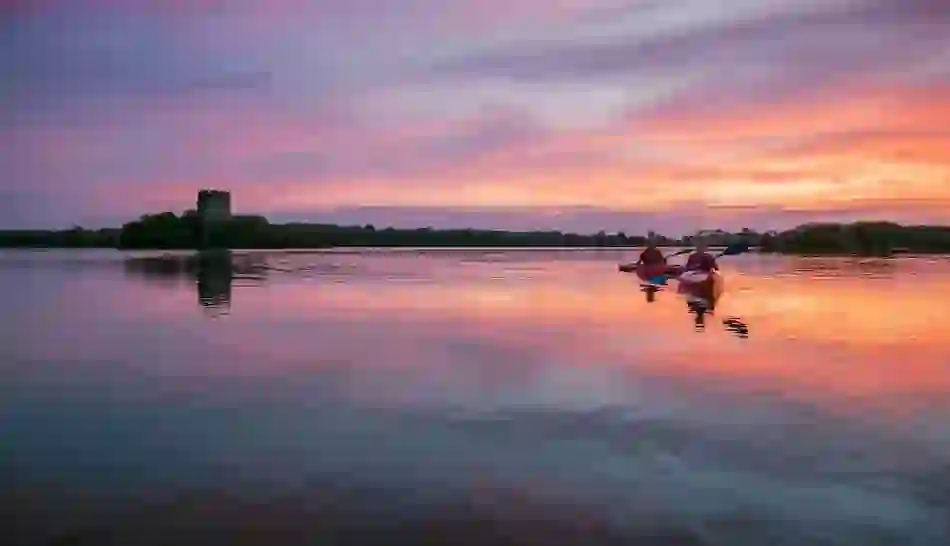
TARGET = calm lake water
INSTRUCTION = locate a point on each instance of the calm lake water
(476, 396)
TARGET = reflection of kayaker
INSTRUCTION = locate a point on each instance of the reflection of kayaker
(650, 290)
(699, 312)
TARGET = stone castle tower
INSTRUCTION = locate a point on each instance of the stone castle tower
(214, 206)
(214, 211)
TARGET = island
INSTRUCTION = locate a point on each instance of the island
(212, 225)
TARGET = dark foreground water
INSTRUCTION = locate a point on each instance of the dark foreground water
(470, 397)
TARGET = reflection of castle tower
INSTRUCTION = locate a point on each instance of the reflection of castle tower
(214, 276)
(210, 271)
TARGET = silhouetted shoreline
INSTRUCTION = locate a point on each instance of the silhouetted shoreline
(167, 231)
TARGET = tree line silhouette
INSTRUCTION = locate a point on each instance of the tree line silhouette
(167, 230)
(859, 238)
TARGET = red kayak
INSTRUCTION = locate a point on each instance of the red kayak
(645, 271)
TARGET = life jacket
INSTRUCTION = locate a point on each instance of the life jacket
(701, 262)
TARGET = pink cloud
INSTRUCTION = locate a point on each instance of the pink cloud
(323, 130)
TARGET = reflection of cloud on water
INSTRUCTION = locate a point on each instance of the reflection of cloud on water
(724, 483)
(649, 480)
(648, 471)
(731, 474)
(457, 385)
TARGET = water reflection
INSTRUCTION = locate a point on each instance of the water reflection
(214, 278)
(736, 326)
(698, 309)
(402, 383)
(212, 271)
(650, 292)
(548, 309)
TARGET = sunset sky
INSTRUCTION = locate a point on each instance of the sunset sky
(581, 115)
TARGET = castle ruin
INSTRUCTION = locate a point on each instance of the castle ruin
(214, 206)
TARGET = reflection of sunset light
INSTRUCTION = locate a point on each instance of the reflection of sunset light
(807, 326)
(832, 335)
(852, 312)
(860, 312)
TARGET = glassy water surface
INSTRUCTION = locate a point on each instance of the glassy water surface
(526, 396)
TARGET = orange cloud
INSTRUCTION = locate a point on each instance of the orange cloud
(863, 152)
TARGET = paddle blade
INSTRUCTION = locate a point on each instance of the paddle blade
(679, 253)
(732, 250)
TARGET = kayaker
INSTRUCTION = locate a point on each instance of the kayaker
(700, 260)
(651, 255)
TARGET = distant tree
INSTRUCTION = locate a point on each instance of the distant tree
(167, 230)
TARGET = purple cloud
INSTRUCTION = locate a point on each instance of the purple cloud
(768, 54)
(118, 107)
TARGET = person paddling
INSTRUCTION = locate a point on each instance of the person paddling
(701, 260)
(651, 255)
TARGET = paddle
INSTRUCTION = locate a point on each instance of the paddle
(731, 250)
(678, 253)
(734, 250)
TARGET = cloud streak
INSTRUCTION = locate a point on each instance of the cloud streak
(675, 110)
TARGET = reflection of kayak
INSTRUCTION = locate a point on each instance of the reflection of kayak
(701, 287)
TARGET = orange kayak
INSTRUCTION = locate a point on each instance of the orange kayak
(705, 288)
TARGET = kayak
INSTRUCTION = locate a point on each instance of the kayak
(698, 286)
(657, 273)
(701, 287)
